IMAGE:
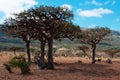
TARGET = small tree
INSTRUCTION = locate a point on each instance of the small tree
(92, 37)
(14, 49)
(111, 52)
(84, 49)
(22, 27)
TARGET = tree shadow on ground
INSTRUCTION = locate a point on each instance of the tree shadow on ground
(99, 70)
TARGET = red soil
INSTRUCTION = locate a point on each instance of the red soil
(67, 68)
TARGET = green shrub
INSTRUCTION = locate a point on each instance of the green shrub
(8, 67)
(36, 53)
(19, 61)
(80, 54)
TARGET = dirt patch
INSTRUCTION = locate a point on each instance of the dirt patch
(66, 68)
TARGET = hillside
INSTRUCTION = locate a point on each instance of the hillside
(111, 41)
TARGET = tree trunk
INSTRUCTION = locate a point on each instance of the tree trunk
(84, 52)
(28, 50)
(93, 53)
(42, 46)
(112, 54)
(50, 54)
(14, 53)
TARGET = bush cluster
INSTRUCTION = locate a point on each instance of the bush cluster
(20, 62)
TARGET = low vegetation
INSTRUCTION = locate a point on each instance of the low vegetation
(20, 62)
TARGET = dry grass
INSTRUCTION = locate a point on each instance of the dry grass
(67, 69)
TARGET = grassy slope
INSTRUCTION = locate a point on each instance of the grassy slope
(113, 41)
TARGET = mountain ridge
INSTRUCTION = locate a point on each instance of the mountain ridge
(6, 41)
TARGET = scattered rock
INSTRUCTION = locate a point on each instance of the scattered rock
(109, 61)
(79, 61)
(41, 64)
(99, 60)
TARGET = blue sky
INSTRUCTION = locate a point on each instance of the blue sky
(87, 13)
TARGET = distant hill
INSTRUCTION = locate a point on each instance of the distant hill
(112, 41)
(7, 41)
(116, 33)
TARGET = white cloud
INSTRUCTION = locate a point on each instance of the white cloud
(67, 6)
(9, 7)
(113, 3)
(118, 19)
(87, 2)
(94, 12)
(93, 2)
(96, 3)
(92, 26)
(106, 3)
